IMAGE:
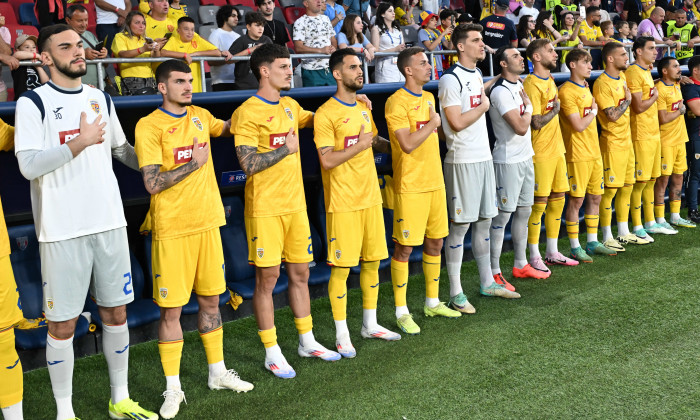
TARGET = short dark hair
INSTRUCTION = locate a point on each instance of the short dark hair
(500, 54)
(620, 24)
(185, 19)
(259, 3)
(591, 9)
(405, 58)
(49, 31)
(166, 67)
(447, 13)
(461, 32)
(535, 46)
(664, 63)
(640, 42)
(609, 49)
(264, 55)
(575, 55)
(75, 8)
(693, 63)
(255, 17)
(338, 56)
(224, 13)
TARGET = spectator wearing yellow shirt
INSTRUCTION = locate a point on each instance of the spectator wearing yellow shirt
(591, 35)
(185, 44)
(131, 43)
(158, 23)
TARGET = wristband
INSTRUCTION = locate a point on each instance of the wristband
(248, 49)
(528, 109)
(185, 57)
(34, 58)
(362, 50)
(116, 10)
(594, 112)
(138, 51)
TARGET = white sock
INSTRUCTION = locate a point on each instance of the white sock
(607, 232)
(534, 251)
(13, 412)
(636, 228)
(454, 252)
(660, 220)
(60, 359)
(115, 344)
(675, 217)
(592, 237)
(401, 311)
(481, 250)
(432, 302)
(518, 232)
(647, 225)
(173, 382)
(369, 318)
(574, 243)
(341, 328)
(552, 246)
(623, 229)
(217, 369)
(307, 339)
(498, 229)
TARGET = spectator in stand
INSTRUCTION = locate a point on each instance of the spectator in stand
(513, 10)
(652, 27)
(525, 32)
(487, 8)
(351, 36)
(591, 35)
(336, 14)
(185, 44)
(314, 34)
(688, 7)
(434, 40)
(245, 45)
(631, 11)
(356, 7)
(158, 24)
(608, 30)
(27, 77)
(569, 30)
(387, 37)
(176, 10)
(222, 74)
(623, 32)
(647, 7)
(131, 43)
(274, 29)
(544, 28)
(528, 9)
(50, 12)
(110, 20)
(634, 30)
(683, 31)
(448, 19)
(499, 31)
(408, 13)
(561, 7)
(468, 18)
(77, 19)
(604, 15)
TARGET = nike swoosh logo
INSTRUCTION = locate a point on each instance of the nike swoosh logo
(437, 279)
(399, 220)
(122, 350)
(54, 362)
(340, 297)
(401, 285)
(12, 367)
(456, 246)
(374, 286)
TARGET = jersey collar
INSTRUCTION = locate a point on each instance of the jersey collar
(697, 82)
(64, 90)
(344, 103)
(635, 64)
(614, 78)
(266, 101)
(465, 68)
(571, 81)
(171, 114)
(412, 93)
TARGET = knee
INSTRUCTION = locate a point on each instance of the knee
(170, 315)
(209, 304)
(401, 252)
(63, 329)
(433, 246)
(113, 316)
(266, 280)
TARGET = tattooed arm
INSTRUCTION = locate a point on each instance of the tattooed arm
(157, 181)
(540, 120)
(253, 162)
(381, 145)
(615, 112)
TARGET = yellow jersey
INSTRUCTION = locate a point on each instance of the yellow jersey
(487, 10)
(647, 14)
(124, 42)
(144, 7)
(353, 184)
(670, 99)
(197, 44)
(158, 28)
(192, 205)
(590, 33)
(259, 123)
(7, 143)
(645, 126)
(176, 14)
(420, 170)
(583, 146)
(547, 142)
(609, 92)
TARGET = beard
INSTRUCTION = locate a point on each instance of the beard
(352, 85)
(66, 70)
(550, 65)
(596, 23)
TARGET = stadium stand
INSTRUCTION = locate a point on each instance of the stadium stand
(213, 2)
(17, 3)
(291, 3)
(207, 15)
(17, 30)
(8, 12)
(26, 16)
(291, 14)
(410, 36)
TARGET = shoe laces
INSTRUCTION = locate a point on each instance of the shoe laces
(174, 394)
(230, 375)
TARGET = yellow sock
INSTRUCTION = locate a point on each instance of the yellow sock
(552, 216)
(591, 223)
(399, 279)
(304, 324)
(11, 381)
(369, 283)
(648, 201)
(675, 206)
(268, 337)
(213, 342)
(170, 355)
(606, 206)
(534, 223)
(636, 205)
(431, 271)
(338, 292)
(622, 204)
(659, 210)
(572, 229)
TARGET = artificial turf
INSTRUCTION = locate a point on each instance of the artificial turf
(618, 338)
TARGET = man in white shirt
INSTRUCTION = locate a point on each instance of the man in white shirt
(469, 176)
(110, 18)
(222, 74)
(314, 34)
(65, 137)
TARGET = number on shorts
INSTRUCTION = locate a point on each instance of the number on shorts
(128, 288)
(310, 248)
(19, 302)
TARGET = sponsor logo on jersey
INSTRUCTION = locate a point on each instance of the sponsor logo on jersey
(338, 253)
(475, 100)
(261, 252)
(536, 185)
(620, 101)
(365, 115)
(22, 242)
(184, 154)
(197, 123)
(351, 141)
(163, 292)
(550, 104)
(495, 25)
(95, 106)
(277, 140)
(676, 106)
(421, 124)
(587, 110)
(49, 303)
(651, 91)
(522, 109)
(66, 136)
(406, 234)
(289, 114)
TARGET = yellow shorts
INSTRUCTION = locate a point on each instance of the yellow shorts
(585, 178)
(10, 307)
(419, 215)
(618, 168)
(647, 156)
(550, 176)
(356, 235)
(186, 264)
(276, 238)
(673, 160)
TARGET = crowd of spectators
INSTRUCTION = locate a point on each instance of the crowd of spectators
(162, 28)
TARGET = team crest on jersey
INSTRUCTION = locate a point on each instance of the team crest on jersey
(664, 166)
(639, 172)
(573, 187)
(612, 178)
(458, 210)
(504, 200)
(289, 114)
(95, 106)
(171, 28)
(163, 292)
(194, 44)
(406, 233)
(365, 115)
(338, 253)
(227, 209)
(697, 156)
(22, 242)
(197, 123)
(49, 303)
(261, 252)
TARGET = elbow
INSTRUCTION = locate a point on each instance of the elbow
(29, 175)
(521, 131)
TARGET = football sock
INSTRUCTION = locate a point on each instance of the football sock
(338, 292)
(552, 223)
(369, 318)
(268, 337)
(341, 328)
(606, 212)
(675, 206)
(659, 212)
(11, 379)
(170, 356)
(213, 342)
(481, 251)
(59, 357)
(115, 344)
(534, 227)
(518, 232)
(498, 230)
(399, 281)
(607, 232)
(622, 209)
(304, 327)
(431, 272)
(636, 204)
(13, 412)
(572, 233)
(454, 252)
(648, 200)
(369, 283)
(591, 227)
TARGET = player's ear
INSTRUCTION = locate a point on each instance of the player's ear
(162, 88)
(264, 72)
(46, 58)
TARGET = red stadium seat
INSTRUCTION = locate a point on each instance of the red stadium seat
(15, 4)
(8, 12)
(457, 5)
(249, 3)
(291, 14)
(213, 3)
(17, 30)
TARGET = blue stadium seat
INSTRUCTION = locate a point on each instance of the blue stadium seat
(240, 276)
(27, 16)
(26, 265)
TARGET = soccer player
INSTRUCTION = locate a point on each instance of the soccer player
(645, 138)
(613, 98)
(469, 177)
(344, 133)
(172, 145)
(511, 115)
(550, 165)
(265, 129)
(583, 160)
(11, 380)
(66, 135)
(673, 138)
(420, 211)
(691, 94)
